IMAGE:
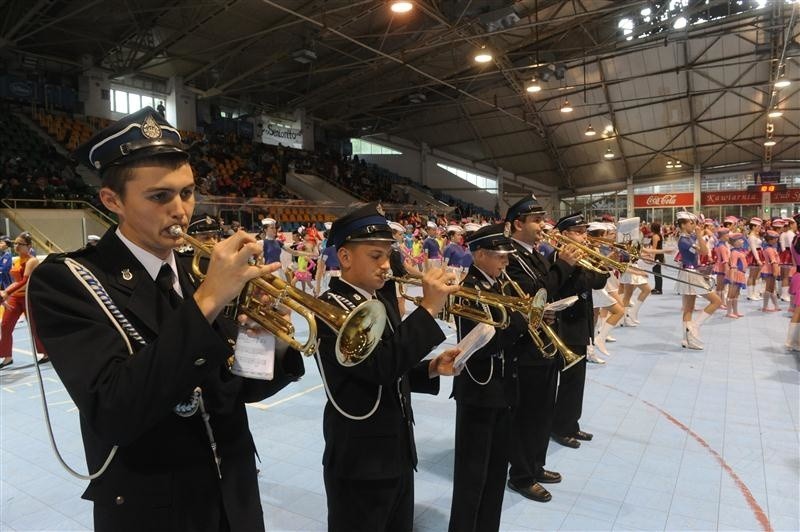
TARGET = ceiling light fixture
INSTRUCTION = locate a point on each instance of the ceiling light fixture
(669, 164)
(782, 82)
(483, 55)
(770, 142)
(680, 23)
(678, 164)
(566, 108)
(401, 7)
(608, 154)
(590, 132)
(533, 86)
(775, 113)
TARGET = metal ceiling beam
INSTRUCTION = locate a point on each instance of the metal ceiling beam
(32, 12)
(71, 14)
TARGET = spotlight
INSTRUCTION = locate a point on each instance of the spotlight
(566, 108)
(770, 142)
(483, 55)
(782, 82)
(401, 7)
(590, 132)
(608, 154)
(678, 164)
(670, 165)
(680, 23)
(775, 113)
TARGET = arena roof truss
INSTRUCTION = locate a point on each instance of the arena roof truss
(653, 88)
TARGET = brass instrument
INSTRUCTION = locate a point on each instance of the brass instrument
(533, 309)
(592, 259)
(359, 330)
(481, 298)
(634, 251)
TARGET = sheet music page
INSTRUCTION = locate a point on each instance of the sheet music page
(254, 356)
(474, 340)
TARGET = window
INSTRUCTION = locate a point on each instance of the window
(119, 101)
(484, 183)
(134, 102)
(129, 102)
(362, 147)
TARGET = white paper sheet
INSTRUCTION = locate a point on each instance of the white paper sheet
(474, 340)
(254, 356)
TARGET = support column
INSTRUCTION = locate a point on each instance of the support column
(629, 205)
(180, 104)
(697, 189)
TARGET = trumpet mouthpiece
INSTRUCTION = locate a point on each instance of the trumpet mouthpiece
(176, 231)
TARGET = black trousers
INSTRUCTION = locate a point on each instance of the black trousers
(481, 463)
(384, 505)
(659, 282)
(532, 421)
(569, 400)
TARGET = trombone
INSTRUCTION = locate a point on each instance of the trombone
(358, 331)
(486, 300)
(595, 261)
(533, 309)
(634, 251)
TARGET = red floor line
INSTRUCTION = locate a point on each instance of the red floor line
(758, 512)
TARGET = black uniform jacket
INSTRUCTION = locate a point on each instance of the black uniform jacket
(532, 271)
(128, 400)
(576, 323)
(491, 360)
(382, 445)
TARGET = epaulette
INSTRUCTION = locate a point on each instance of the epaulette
(60, 257)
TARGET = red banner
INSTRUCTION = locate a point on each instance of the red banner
(676, 199)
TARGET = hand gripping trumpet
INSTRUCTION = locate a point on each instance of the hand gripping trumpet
(359, 330)
(533, 309)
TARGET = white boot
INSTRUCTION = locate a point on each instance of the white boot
(592, 357)
(785, 294)
(628, 321)
(793, 337)
(600, 339)
(690, 338)
(633, 312)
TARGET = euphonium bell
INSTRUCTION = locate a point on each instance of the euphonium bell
(359, 330)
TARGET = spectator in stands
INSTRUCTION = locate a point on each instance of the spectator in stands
(6, 261)
(13, 298)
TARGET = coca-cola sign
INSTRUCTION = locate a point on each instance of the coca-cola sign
(676, 199)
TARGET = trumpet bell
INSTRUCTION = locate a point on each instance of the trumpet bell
(360, 333)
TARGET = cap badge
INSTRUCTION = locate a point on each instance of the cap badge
(507, 230)
(126, 274)
(150, 128)
(380, 210)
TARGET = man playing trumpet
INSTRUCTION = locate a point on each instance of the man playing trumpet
(144, 353)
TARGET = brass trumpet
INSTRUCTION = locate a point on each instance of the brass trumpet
(533, 309)
(475, 295)
(359, 330)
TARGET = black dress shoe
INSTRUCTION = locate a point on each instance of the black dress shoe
(534, 492)
(583, 436)
(6, 362)
(566, 441)
(548, 477)
(656, 292)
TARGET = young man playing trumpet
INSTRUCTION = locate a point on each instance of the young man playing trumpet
(143, 352)
(484, 394)
(370, 455)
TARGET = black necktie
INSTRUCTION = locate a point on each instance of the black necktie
(164, 280)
